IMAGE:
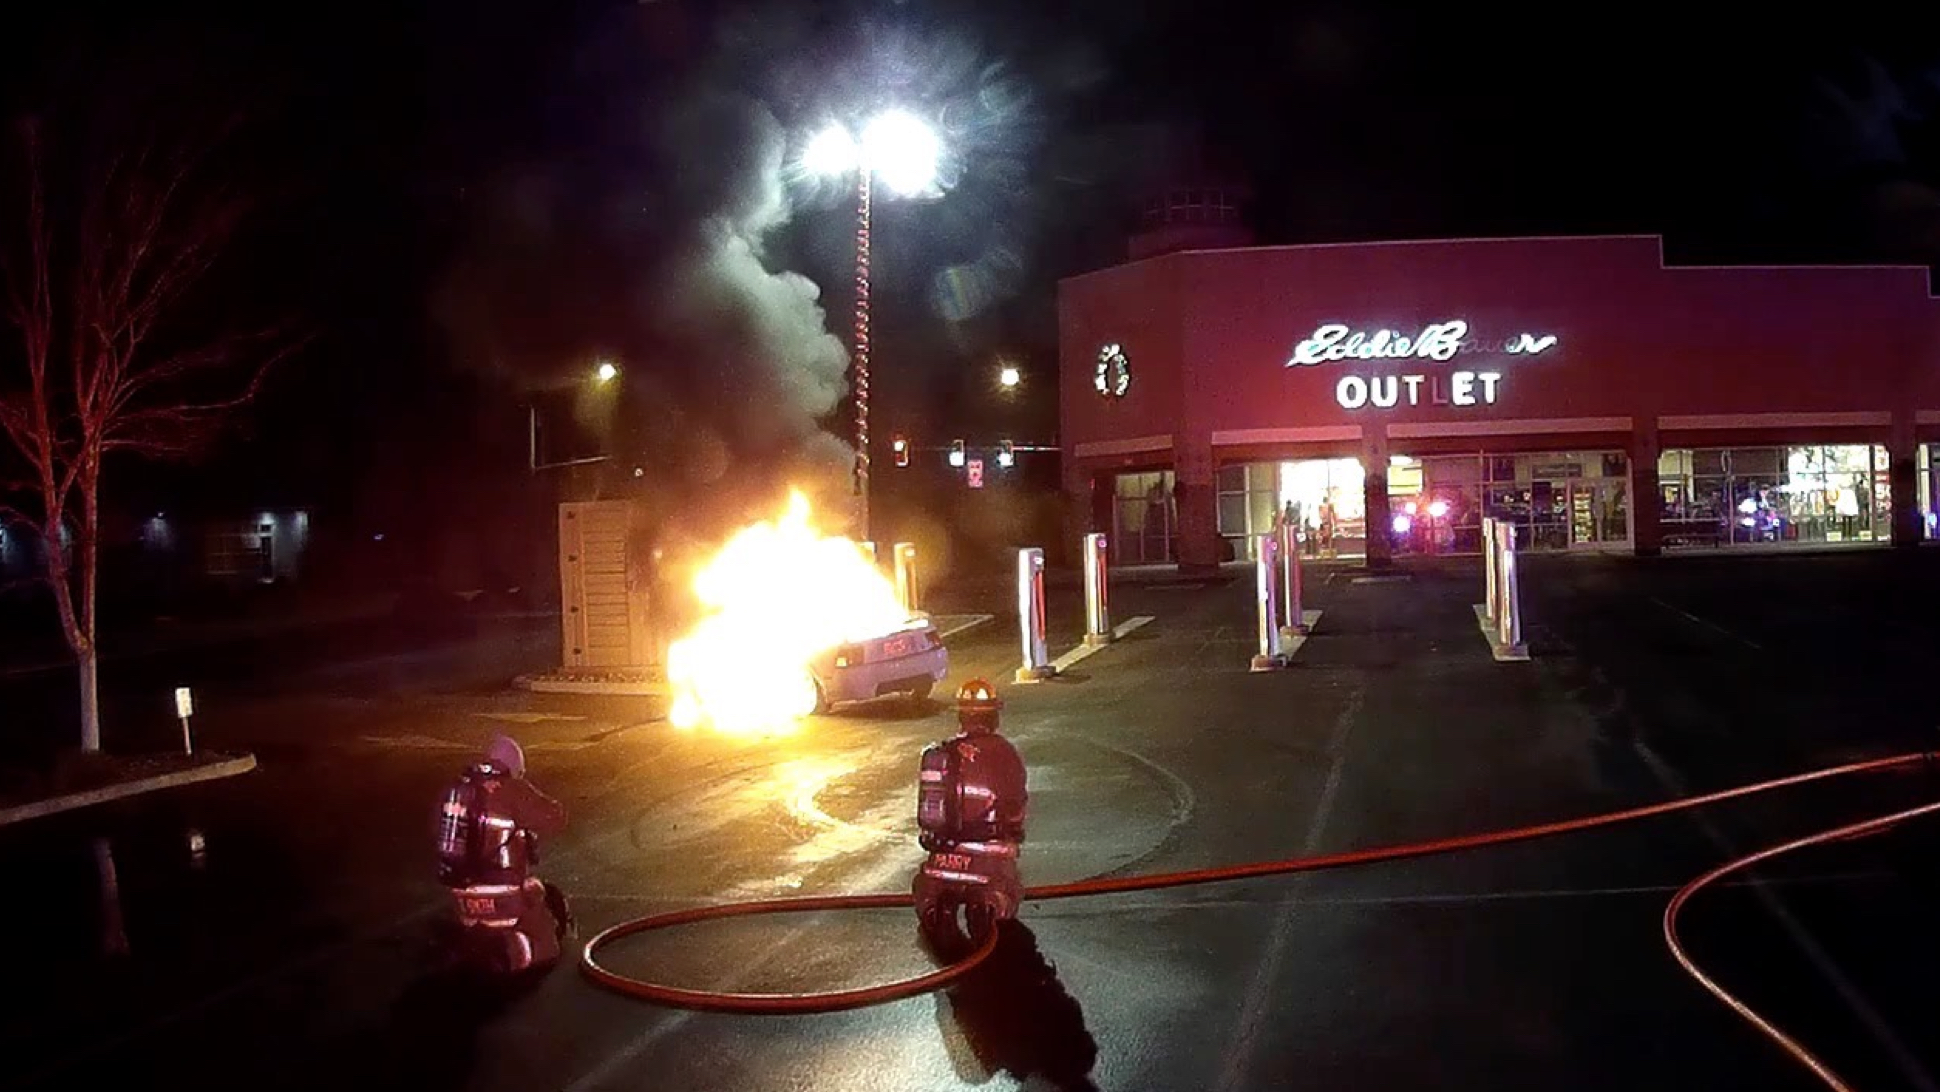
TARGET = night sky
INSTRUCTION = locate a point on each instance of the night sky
(416, 124)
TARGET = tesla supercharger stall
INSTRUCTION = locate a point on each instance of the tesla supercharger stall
(1030, 616)
(1509, 631)
(1271, 656)
(1491, 594)
(1293, 619)
(907, 592)
(1097, 591)
(1500, 612)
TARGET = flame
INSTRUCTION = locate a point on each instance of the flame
(776, 596)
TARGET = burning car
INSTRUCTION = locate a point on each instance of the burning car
(909, 661)
(793, 620)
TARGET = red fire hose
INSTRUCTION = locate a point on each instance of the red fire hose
(1771, 1031)
(836, 1000)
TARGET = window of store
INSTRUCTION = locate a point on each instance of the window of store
(1561, 500)
(1827, 493)
(1145, 515)
(1249, 502)
(1328, 497)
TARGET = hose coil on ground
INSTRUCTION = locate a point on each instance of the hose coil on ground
(837, 1000)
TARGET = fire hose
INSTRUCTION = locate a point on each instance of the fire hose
(838, 1000)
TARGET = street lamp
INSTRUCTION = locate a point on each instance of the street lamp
(1008, 377)
(903, 152)
(604, 373)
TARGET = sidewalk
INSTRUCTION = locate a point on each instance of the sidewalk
(166, 635)
(99, 779)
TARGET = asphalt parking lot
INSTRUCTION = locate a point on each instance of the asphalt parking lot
(295, 952)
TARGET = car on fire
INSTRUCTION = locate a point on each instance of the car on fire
(909, 661)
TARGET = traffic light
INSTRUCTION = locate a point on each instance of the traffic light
(1006, 455)
(900, 446)
(956, 453)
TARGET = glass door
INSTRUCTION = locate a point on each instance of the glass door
(1597, 512)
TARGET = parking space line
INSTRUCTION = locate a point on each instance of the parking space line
(1064, 662)
(1708, 624)
(1239, 1056)
(969, 623)
(1448, 898)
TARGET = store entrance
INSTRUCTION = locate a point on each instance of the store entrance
(1596, 514)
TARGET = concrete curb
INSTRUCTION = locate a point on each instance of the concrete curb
(1504, 654)
(214, 771)
(540, 684)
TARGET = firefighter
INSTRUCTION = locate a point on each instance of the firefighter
(488, 842)
(970, 805)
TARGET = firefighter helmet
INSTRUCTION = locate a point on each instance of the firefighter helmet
(978, 696)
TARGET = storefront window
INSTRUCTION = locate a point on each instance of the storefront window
(1329, 499)
(1823, 493)
(1145, 516)
(1249, 501)
(1559, 500)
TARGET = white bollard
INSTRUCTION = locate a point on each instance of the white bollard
(1030, 615)
(1293, 617)
(906, 591)
(1489, 593)
(1510, 625)
(1097, 591)
(1267, 566)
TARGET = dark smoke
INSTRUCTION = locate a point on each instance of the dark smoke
(643, 238)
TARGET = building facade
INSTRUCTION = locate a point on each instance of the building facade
(1388, 396)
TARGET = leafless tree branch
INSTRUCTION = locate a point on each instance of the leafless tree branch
(108, 251)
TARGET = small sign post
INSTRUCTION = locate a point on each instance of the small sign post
(184, 709)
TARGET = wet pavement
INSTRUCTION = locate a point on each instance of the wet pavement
(297, 949)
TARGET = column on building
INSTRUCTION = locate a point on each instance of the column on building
(1903, 479)
(1646, 497)
(1197, 501)
(1374, 475)
(1087, 503)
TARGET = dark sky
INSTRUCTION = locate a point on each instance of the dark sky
(1811, 137)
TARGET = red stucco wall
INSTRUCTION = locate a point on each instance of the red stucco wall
(1209, 334)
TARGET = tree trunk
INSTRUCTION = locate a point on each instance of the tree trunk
(88, 649)
(89, 661)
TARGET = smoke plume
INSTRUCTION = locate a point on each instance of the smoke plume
(646, 240)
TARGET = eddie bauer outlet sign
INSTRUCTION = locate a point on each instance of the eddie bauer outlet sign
(1438, 341)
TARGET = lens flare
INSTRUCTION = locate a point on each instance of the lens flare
(831, 152)
(903, 152)
(779, 594)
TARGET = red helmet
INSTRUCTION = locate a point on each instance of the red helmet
(978, 696)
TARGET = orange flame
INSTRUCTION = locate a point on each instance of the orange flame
(776, 596)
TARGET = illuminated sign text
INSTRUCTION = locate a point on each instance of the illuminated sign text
(1463, 388)
(1439, 342)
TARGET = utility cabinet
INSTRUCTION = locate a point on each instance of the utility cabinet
(605, 582)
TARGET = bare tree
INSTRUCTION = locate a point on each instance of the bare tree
(114, 352)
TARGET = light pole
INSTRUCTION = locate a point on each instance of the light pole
(904, 152)
(604, 372)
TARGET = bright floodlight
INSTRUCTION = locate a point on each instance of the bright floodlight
(1008, 375)
(902, 151)
(606, 371)
(831, 152)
